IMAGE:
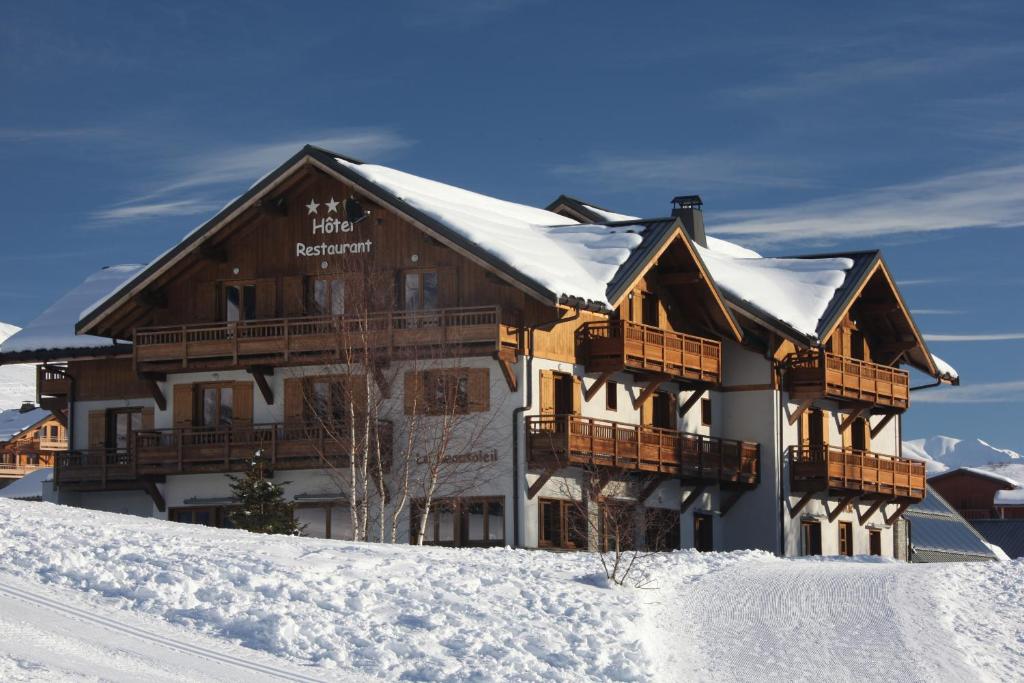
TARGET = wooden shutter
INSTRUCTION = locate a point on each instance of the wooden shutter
(826, 427)
(147, 418)
(414, 400)
(293, 400)
(479, 390)
(97, 428)
(182, 405)
(242, 408)
(577, 395)
(447, 288)
(266, 298)
(647, 411)
(205, 303)
(293, 296)
(547, 392)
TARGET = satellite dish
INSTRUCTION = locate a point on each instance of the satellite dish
(354, 211)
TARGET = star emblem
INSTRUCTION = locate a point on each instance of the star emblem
(312, 206)
(332, 206)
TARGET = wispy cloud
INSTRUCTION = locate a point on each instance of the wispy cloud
(988, 198)
(991, 392)
(935, 311)
(196, 183)
(1002, 336)
(42, 134)
(913, 282)
(708, 169)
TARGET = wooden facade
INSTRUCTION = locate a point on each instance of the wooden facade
(33, 448)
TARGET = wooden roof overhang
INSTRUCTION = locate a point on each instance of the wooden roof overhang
(66, 354)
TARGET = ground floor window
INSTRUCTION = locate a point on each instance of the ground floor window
(617, 526)
(875, 541)
(209, 515)
(846, 539)
(703, 532)
(810, 537)
(324, 520)
(662, 530)
(563, 524)
(461, 522)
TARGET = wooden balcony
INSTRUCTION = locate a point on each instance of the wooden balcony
(52, 388)
(816, 373)
(614, 345)
(456, 331)
(158, 453)
(48, 444)
(851, 472)
(10, 470)
(566, 440)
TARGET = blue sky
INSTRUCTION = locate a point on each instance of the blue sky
(804, 127)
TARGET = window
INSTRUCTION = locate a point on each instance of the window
(122, 423)
(562, 524)
(703, 532)
(325, 520)
(810, 537)
(329, 296)
(705, 412)
(420, 290)
(875, 541)
(239, 302)
(564, 387)
(53, 432)
(447, 392)
(662, 406)
(213, 515)
(860, 435)
(617, 526)
(466, 522)
(214, 405)
(611, 395)
(846, 538)
(649, 310)
(662, 532)
(327, 402)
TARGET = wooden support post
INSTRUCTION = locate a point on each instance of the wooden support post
(852, 417)
(690, 402)
(838, 508)
(149, 486)
(895, 515)
(877, 429)
(692, 498)
(872, 510)
(152, 379)
(651, 387)
(538, 484)
(377, 368)
(802, 503)
(259, 373)
(506, 358)
(596, 386)
(730, 503)
(602, 479)
(649, 490)
(801, 409)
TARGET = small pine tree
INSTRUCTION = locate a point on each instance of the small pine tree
(263, 507)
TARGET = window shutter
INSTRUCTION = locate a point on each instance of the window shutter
(647, 411)
(479, 390)
(448, 288)
(356, 392)
(413, 393)
(97, 428)
(242, 403)
(205, 302)
(147, 418)
(293, 294)
(547, 392)
(182, 405)
(293, 400)
(266, 298)
(577, 395)
(826, 419)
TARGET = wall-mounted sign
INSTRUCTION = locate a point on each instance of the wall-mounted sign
(482, 456)
(330, 225)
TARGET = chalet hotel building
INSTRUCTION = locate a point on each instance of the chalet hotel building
(490, 358)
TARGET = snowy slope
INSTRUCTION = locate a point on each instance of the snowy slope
(17, 382)
(942, 453)
(396, 612)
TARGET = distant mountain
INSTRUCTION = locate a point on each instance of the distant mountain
(17, 382)
(941, 453)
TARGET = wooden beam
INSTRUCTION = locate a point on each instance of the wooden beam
(259, 373)
(801, 409)
(899, 511)
(596, 386)
(538, 484)
(152, 380)
(730, 503)
(878, 307)
(149, 486)
(649, 490)
(802, 503)
(872, 510)
(838, 508)
(680, 278)
(852, 417)
(691, 498)
(377, 368)
(505, 358)
(601, 480)
(651, 387)
(877, 429)
(691, 401)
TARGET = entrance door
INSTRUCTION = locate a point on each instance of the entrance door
(810, 537)
(662, 414)
(564, 404)
(703, 539)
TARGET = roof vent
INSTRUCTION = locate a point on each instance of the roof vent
(688, 209)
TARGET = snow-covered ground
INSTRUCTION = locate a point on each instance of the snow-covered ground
(92, 595)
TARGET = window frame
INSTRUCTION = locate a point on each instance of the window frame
(875, 540)
(458, 508)
(844, 531)
(247, 293)
(611, 396)
(330, 281)
(705, 411)
(569, 537)
(419, 274)
(110, 437)
(198, 404)
(810, 526)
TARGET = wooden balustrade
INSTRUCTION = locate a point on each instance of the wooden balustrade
(51, 381)
(13, 470)
(486, 328)
(851, 471)
(565, 440)
(97, 466)
(614, 345)
(816, 373)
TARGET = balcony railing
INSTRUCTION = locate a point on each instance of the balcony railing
(564, 440)
(10, 470)
(48, 444)
(816, 373)
(195, 450)
(488, 327)
(850, 471)
(614, 345)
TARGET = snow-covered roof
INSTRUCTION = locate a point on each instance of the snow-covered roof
(13, 422)
(1011, 497)
(981, 473)
(54, 328)
(29, 487)
(946, 371)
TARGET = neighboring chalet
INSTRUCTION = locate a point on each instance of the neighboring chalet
(582, 362)
(30, 438)
(980, 494)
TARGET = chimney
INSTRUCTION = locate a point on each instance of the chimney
(688, 209)
(27, 407)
